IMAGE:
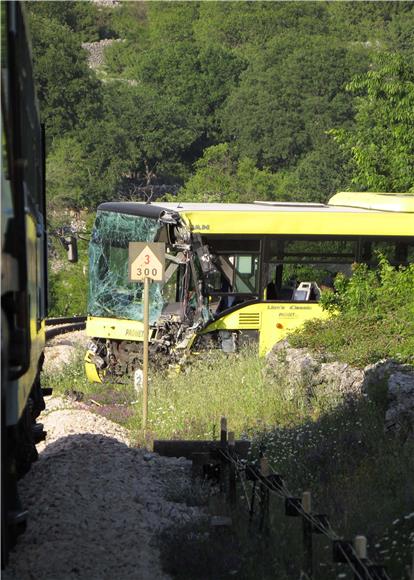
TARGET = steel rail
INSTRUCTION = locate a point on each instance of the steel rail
(64, 320)
(63, 329)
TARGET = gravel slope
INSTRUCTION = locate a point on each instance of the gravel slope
(96, 505)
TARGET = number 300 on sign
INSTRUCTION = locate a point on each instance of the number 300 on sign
(147, 271)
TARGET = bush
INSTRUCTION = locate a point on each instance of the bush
(373, 317)
(68, 282)
(68, 290)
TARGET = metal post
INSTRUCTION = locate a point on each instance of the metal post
(145, 357)
(307, 533)
(264, 494)
(224, 447)
(232, 469)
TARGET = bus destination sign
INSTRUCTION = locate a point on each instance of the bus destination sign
(146, 260)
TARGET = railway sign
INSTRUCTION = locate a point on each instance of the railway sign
(146, 260)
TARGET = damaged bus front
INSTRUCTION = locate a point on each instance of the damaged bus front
(178, 307)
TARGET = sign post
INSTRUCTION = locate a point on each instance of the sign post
(145, 357)
(146, 262)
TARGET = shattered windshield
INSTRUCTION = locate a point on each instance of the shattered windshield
(110, 292)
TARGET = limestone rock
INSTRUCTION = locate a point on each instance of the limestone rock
(318, 373)
(400, 414)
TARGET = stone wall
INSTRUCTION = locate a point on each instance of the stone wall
(96, 51)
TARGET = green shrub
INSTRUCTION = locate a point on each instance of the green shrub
(68, 290)
(373, 317)
(68, 282)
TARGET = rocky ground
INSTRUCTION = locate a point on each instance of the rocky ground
(317, 374)
(61, 350)
(97, 506)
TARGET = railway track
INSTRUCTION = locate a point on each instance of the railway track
(64, 325)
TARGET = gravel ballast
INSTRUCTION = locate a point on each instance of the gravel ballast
(96, 505)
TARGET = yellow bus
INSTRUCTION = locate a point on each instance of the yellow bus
(234, 272)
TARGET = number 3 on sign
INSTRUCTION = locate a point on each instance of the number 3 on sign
(146, 260)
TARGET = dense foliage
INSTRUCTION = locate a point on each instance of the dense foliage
(233, 100)
(373, 317)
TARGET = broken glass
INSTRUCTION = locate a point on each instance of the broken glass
(110, 292)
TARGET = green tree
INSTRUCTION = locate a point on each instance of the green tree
(382, 141)
(83, 18)
(220, 177)
(290, 95)
(317, 175)
(247, 27)
(141, 134)
(130, 22)
(366, 23)
(167, 59)
(68, 91)
(66, 173)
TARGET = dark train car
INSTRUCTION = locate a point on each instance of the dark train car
(23, 267)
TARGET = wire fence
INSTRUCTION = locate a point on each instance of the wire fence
(260, 482)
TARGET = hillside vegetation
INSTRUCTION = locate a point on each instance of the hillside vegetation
(222, 101)
(231, 100)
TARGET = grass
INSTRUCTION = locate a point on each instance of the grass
(189, 405)
(359, 475)
(361, 339)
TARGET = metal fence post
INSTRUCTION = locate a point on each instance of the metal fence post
(307, 533)
(223, 461)
(232, 468)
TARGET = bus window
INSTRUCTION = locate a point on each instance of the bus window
(170, 291)
(396, 252)
(237, 263)
(290, 263)
(236, 274)
(246, 270)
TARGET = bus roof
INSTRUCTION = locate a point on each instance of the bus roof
(346, 214)
(395, 202)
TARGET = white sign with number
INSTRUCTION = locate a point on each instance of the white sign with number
(146, 260)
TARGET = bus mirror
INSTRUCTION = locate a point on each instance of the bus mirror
(72, 248)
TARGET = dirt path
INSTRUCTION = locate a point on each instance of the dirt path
(96, 505)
